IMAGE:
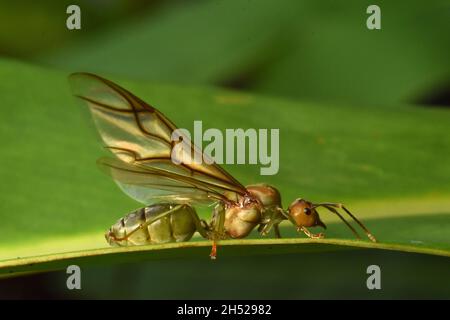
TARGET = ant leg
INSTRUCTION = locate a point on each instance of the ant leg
(218, 230)
(200, 225)
(311, 235)
(264, 228)
(276, 217)
(261, 228)
(276, 229)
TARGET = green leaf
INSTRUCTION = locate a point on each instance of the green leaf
(390, 166)
(406, 234)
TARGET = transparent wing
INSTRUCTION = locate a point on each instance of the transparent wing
(146, 184)
(141, 136)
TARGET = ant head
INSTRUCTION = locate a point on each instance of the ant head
(304, 214)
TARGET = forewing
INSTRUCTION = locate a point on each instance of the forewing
(140, 135)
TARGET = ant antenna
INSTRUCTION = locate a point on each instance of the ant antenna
(331, 207)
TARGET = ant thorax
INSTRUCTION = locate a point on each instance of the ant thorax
(267, 195)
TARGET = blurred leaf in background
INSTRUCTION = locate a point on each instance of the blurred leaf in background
(189, 42)
(315, 50)
(30, 28)
(334, 56)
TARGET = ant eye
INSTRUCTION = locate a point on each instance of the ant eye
(307, 211)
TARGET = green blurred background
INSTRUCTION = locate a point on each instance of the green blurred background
(366, 112)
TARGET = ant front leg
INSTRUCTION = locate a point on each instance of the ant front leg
(311, 235)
